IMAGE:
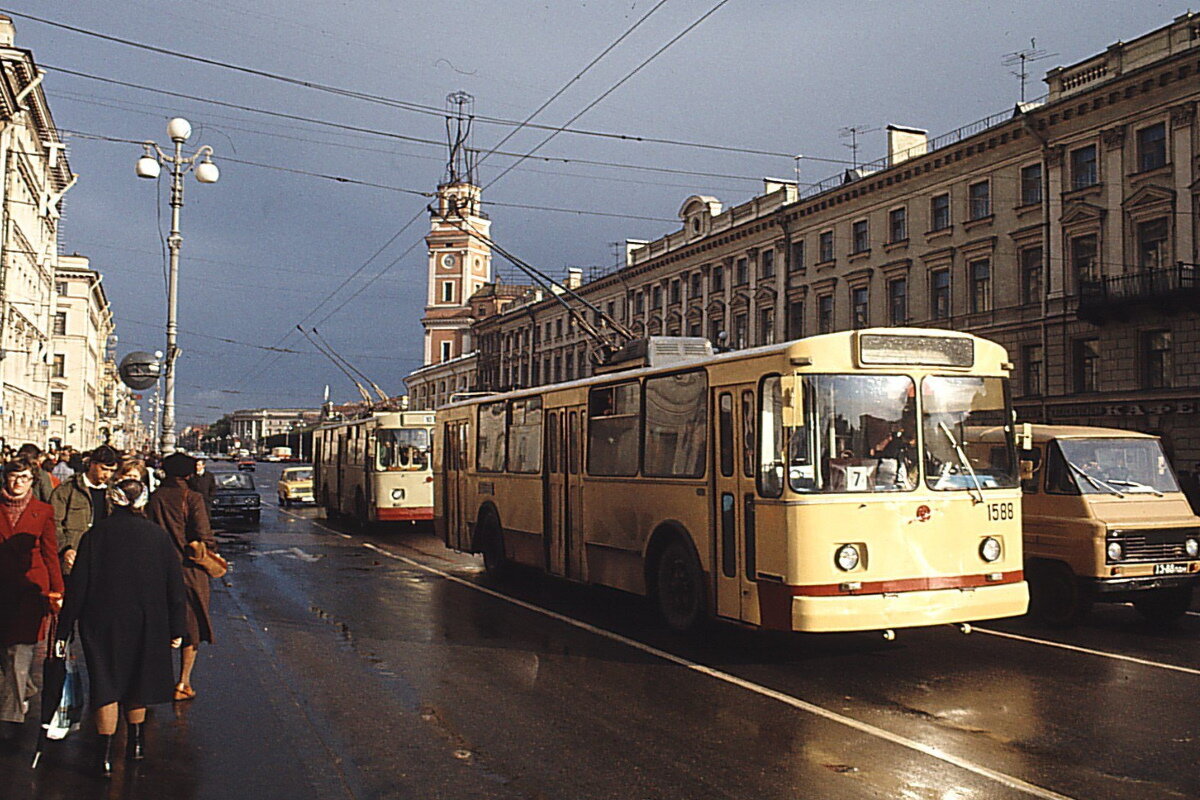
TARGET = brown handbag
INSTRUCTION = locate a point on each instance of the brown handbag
(208, 560)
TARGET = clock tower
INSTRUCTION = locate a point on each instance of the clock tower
(460, 263)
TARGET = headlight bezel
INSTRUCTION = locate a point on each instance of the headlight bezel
(1114, 551)
(852, 556)
(990, 549)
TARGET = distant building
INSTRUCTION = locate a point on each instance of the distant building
(34, 176)
(250, 426)
(81, 326)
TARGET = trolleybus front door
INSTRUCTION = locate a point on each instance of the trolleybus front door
(733, 515)
(454, 464)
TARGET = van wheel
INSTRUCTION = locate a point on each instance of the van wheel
(679, 587)
(489, 541)
(1164, 606)
(1056, 596)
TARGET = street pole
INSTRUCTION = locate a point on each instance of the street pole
(149, 166)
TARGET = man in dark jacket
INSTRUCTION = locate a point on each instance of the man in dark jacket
(203, 482)
(81, 502)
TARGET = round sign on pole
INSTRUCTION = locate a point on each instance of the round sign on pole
(139, 370)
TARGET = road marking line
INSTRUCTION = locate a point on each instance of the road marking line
(1076, 648)
(803, 705)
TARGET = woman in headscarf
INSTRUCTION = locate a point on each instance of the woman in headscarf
(31, 587)
(126, 592)
(182, 513)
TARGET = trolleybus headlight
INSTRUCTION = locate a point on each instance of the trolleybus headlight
(1192, 547)
(846, 557)
(397, 494)
(989, 549)
(1115, 551)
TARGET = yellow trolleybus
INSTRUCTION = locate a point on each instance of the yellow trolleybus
(833, 483)
(375, 469)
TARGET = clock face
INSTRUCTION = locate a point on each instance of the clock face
(449, 260)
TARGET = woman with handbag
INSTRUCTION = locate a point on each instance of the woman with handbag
(31, 587)
(126, 592)
(181, 512)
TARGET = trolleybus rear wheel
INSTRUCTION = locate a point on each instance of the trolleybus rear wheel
(489, 541)
(1163, 606)
(679, 587)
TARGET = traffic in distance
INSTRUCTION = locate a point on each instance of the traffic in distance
(860, 480)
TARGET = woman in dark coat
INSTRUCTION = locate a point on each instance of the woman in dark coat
(126, 592)
(183, 514)
(31, 586)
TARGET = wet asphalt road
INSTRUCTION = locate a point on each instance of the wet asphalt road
(380, 665)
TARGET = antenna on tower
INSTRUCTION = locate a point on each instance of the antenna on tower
(852, 133)
(1021, 58)
(460, 114)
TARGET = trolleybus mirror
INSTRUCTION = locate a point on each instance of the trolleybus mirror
(1026, 436)
(1026, 470)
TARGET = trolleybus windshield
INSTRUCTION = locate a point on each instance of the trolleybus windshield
(400, 449)
(956, 410)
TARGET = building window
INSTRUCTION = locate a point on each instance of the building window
(58, 367)
(697, 285)
(1031, 275)
(694, 329)
(60, 323)
(860, 238)
(655, 297)
(740, 331)
(1083, 167)
(447, 350)
(639, 303)
(766, 326)
(1152, 147)
(898, 225)
(825, 313)
(718, 278)
(1031, 185)
(768, 263)
(1152, 244)
(939, 293)
(795, 320)
(825, 247)
(1087, 365)
(1083, 259)
(797, 256)
(716, 331)
(939, 212)
(447, 291)
(981, 286)
(558, 328)
(56, 404)
(1031, 365)
(1157, 364)
(980, 198)
(860, 307)
(60, 288)
(742, 272)
(676, 291)
(570, 367)
(898, 301)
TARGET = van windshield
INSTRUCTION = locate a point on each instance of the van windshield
(1109, 466)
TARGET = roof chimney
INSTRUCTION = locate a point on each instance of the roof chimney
(574, 277)
(8, 31)
(905, 143)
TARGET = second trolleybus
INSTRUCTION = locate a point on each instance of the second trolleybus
(833, 483)
(376, 468)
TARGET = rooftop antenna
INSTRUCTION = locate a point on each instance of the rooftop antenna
(852, 132)
(383, 398)
(1021, 58)
(460, 114)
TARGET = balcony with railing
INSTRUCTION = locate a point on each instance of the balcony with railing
(1118, 297)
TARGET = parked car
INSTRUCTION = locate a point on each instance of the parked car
(236, 498)
(246, 464)
(295, 486)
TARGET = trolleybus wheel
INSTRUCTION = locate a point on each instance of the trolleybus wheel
(1056, 596)
(361, 516)
(679, 587)
(1163, 606)
(489, 541)
(327, 501)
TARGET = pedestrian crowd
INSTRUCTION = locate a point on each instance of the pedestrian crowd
(98, 546)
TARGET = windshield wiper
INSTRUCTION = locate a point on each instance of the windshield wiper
(1093, 480)
(1134, 486)
(962, 459)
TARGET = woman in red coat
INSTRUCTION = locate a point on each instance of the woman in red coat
(31, 585)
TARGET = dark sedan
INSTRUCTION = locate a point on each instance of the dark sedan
(236, 498)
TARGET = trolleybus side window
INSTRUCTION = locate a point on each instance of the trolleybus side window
(489, 446)
(573, 444)
(614, 414)
(725, 423)
(525, 435)
(748, 456)
(676, 425)
(956, 411)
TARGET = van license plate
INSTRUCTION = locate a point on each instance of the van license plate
(1170, 569)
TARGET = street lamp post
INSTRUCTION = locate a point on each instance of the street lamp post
(149, 166)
